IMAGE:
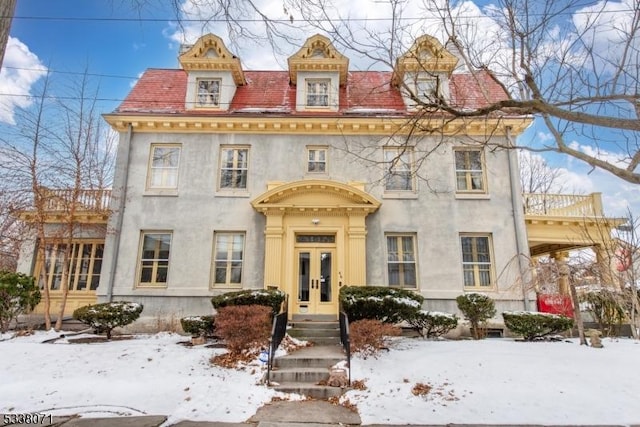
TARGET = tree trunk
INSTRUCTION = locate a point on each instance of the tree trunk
(576, 314)
(7, 9)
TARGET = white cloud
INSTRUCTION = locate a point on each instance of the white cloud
(21, 70)
(620, 160)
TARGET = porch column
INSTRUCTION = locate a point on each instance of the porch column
(273, 249)
(563, 271)
(357, 253)
(604, 259)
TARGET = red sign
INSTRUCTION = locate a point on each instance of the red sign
(555, 304)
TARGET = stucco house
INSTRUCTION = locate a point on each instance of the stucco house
(307, 180)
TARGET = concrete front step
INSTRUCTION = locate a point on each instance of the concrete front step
(300, 375)
(313, 333)
(312, 390)
(314, 325)
(301, 371)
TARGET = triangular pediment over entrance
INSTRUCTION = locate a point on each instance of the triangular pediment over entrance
(315, 196)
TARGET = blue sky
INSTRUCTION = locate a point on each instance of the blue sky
(116, 46)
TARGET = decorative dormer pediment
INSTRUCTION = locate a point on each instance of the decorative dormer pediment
(426, 55)
(210, 54)
(318, 54)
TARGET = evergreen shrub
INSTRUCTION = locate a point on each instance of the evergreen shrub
(267, 297)
(389, 305)
(433, 324)
(198, 325)
(19, 293)
(533, 325)
(476, 308)
(103, 318)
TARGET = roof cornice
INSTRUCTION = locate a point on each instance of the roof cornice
(330, 125)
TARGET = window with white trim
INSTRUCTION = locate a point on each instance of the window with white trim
(164, 161)
(398, 168)
(153, 265)
(401, 260)
(317, 160)
(469, 171)
(318, 92)
(228, 258)
(234, 167)
(208, 93)
(476, 261)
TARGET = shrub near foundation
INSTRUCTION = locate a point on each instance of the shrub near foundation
(368, 336)
(103, 318)
(244, 327)
(198, 325)
(533, 325)
(266, 297)
(389, 305)
(477, 309)
(432, 324)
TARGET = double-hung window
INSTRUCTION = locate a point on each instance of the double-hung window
(401, 260)
(163, 167)
(398, 164)
(469, 171)
(208, 93)
(476, 261)
(153, 267)
(234, 168)
(317, 160)
(228, 259)
(318, 92)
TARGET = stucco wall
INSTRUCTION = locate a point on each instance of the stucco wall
(434, 214)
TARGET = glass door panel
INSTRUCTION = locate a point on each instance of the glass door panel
(325, 276)
(304, 276)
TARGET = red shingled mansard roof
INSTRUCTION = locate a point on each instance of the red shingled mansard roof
(162, 91)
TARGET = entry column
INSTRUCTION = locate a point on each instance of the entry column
(356, 249)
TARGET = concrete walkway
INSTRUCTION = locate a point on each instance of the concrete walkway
(309, 413)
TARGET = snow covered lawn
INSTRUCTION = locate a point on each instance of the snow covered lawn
(490, 381)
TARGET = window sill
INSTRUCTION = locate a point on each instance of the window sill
(151, 287)
(223, 287)
(231, 193)
(400, 195)
(160, 193)
(480, 289)
(473, 196)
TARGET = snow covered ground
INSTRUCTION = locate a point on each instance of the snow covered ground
(490, 381)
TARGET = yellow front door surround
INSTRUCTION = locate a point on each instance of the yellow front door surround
(299, 214)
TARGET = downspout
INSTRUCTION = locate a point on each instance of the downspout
(119, 212)
(518, 215)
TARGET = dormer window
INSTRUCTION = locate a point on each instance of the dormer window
(208, 93)
(318, 92)
(426, 89)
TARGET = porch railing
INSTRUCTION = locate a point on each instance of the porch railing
(569, 205)
(278, 331)
(86, 200)
(345, 340)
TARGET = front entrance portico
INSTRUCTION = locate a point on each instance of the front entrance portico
(315, 241)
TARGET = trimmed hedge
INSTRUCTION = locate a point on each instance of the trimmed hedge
(533, 325)
(389, 305)
(198, 325)
(266, 297)
(103, 318)
(433, 324)
(477, 308)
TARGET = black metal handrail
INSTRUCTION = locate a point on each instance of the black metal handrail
(344, 339)
(278, 331)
